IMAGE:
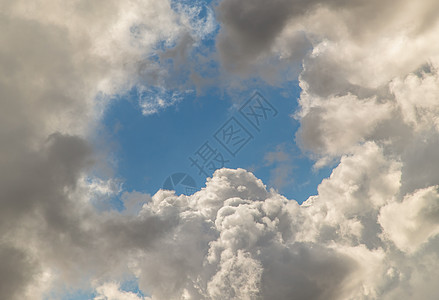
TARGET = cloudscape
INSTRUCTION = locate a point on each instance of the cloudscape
(224, 149)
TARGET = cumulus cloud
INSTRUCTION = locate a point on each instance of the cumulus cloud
(331, 125)
(60, 63)
(111, 291)
(369, 100)
(369, 74)
(362, 56)
(351, 39)
(413, 221)
(236, 240)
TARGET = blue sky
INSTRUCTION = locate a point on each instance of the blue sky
(150, 148)
(147, 149)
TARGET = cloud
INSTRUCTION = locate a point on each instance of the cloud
(244, 246)
(60, 63)
(282, 167)
(16, 270)
(251, 27)
(152, 101)
(236, 240)
(345, 39)
(111, 291)
(412, 222)
(331, 125)
(363, 78)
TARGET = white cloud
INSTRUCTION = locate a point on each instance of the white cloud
(412, 222)
(111, 291)
(153, 101)
(236, 240)
(335, 125)
(417, 96)
(59, 64)
(253, 243)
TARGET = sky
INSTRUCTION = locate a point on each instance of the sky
(152, 148)
(164, 149)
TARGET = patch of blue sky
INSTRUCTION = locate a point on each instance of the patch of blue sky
(158, 129)
(201, 7)
(153, 145)
(72, 295)
(151, 148)
(132, 286)
(129, 285)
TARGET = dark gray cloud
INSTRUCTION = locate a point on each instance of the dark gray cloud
(16, 271)
(250, 27)
(51, 70)
(305, 271)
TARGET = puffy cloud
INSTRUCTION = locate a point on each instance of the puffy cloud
(417, 95)
(369, 71)
(59, 64)
(111, 291)
(236, 240)
(362, 42)
(244, 247)
(248, 243)
(331, 125)
(369, 98)
(410, 223)
(16, 270)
